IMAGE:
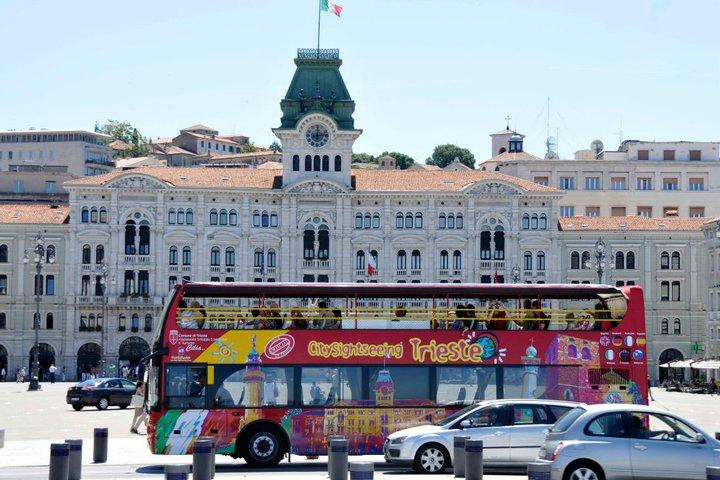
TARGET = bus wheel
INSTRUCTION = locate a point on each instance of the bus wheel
(263, 446)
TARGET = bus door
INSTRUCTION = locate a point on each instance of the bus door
(186, 389)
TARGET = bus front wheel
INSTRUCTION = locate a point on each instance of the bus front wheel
(263, 446)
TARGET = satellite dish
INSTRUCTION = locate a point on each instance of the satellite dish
(552, 146)
(597, 146)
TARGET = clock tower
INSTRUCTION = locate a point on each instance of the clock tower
(317, 130)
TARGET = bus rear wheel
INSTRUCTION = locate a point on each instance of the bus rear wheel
(263, 446)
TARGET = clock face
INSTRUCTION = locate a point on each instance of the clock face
(317, 136)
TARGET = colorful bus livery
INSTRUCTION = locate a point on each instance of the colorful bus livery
(393, 357)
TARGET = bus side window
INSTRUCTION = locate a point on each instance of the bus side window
(185, 386)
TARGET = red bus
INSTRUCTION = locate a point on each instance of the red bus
(270, 369)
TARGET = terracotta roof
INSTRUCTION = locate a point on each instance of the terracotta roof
(29, 213)
(161, 140)
(175, 150)
(214, 138)
(119, 145)
(366, 180)
(505, 132)
(270, 165)
(634, 223)
(259, 153)
(509, 156)
(199, 126)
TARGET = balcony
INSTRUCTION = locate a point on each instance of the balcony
(86, 267)
(401, 273)
(317, 264)
(89, 300)
(492, 265)
(186, 268)
(214, 269)
(173, 268)
(134, 300)
(136, 259)
(443, 273)
(268, 271)
(415, 273)
(230, 270)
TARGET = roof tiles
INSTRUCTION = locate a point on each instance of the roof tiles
(33, 213)
(630, 223)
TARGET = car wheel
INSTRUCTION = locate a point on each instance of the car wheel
(583, 471)
(263, 446)
(103, 403)
(77, 407)
(431, 458)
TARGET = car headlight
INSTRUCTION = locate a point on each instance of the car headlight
(397, 440)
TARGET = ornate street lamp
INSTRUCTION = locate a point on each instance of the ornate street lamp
(104, 270)
(515, 272)
(598, 263)
(36, 255)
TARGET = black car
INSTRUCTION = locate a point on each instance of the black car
(101, 393)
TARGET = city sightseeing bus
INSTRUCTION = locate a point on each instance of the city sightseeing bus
(269, 369)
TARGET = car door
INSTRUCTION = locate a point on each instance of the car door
(527, 432)
(663, 446)
(114, 389)
(606, 441)
(490, 424)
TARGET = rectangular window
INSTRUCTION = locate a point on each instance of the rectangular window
(668, 154)
(567, 183)
(644, 212)
(50, 187)
(234, 388)
(664, 291)
(695, 155)
(50, 285)
(643, 154)
(670, 183)
(591, 183)
(618, 211)
(410, 384)
(670, 211)
(18, 186)
(644, 183)
(567, 211)
(542, 181)
(696, 184)
(330, 385)
(675, 291)
(592, 211)
(618, 183)
(464, 385)
(3, 285)
(697, 212)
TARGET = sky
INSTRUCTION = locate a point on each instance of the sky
(422, 73)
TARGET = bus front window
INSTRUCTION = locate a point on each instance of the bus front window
(185, 386)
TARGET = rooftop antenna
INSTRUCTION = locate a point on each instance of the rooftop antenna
(507, 122)
(619, 134)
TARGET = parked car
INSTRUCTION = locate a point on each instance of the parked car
(101, 393)
(512, 431)
(619, 441)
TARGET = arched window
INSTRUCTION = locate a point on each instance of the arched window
(50, 255)
(273, 219)
(50, 285)
(232, 220)
(258, 258)
(172, 216)
(367, 220)
(358, 220)
(325, 163)
(49, 321)
(374, 257)
(401, 261)
(309, 243)
(181, 216)
(574, 261)
(485, 237)
(451, 221)
(121, 323)
(499, 240)
(308, 163)
(338, 163)
(526, 221)
(664, 261)
(360, 260)
(103, 215)
(271, 258)
(630, 261)
(187, 256)
(457, 260)
(86, 254)
(459, 221)
(543, 222)
(664, 326)
(585, 260)
(323, 243)
(534, 221)
(399, 220)
(215, 256)
(189, 216)
(296, 163)
(527, 261)
(442, 221)
(415, 260)
(444, 260)
(135, 322)
(229, 257)
(144, 247)
(130, 237)
(265, 219)
(620, 261)
(3, 321)
(418, 220)
(316, 163)
(99, 254)
(3, 253)
(675, 261)
(213, 217)
(376, 220)
(91, 322)
(223, 217)
(256, 218)
(94, 215)
(148, 323)
(677, 328)
(85, 215)
(408, 220)
(540, 263)
(173, 255)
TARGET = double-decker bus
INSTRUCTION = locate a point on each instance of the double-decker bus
(269, 369)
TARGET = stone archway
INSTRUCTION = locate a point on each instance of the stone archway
(88, 357)
(670, 355)
(46, 358)
(132, 350)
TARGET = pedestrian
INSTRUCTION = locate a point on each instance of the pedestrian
(138, 402)
(63, 375)
(52, 370)
(3, 372)
(649, 385)
(21, 374)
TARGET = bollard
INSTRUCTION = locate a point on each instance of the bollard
(717, 435)
(2, 438)
(75, 459)
(459, 455)
(338, 459)
(214, 453)
(330, 438)
(362, 471)
(712, 473)
(539, 471)
(59, 453)
(100, 445)
(473, 459)
(177, 472)
(202, 460)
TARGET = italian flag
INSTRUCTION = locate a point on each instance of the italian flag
(327, 6)
(371, 266)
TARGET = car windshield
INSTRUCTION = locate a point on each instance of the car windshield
(456, 415)
(91, 383)
(566, 420)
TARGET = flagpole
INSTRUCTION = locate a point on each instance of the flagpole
(318, 36)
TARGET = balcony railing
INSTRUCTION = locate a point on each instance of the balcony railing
(215, 269)
(322, 53)
(134, 300)
(268, 270)
(173, 268)
(137, 259)
(89, 300)
(317, 264)
(415, 273)
(492, 264)
(443, 273)
(401, 273)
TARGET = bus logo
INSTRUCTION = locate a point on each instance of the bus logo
(173, 337)
(279, 347)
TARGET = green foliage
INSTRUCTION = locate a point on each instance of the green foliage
(275, 147)
(249, 148)
(125, 132)
(402, 161)
(363, 158)
(443, 155)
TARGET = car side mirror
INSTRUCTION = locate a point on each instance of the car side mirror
(700, 438)
(465, 424)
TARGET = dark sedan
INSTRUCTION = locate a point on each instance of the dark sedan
(101, 393)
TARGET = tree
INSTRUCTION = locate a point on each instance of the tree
(249, 148)
(275, 147)
(443, 155)
(363, 158)
(125, 132)
(402, 161)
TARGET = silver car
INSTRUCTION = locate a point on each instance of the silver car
(512, 431)
(618, 441)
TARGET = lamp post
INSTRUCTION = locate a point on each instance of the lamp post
(37, 256)
(104, 270)
(515, 272)
(599, 261)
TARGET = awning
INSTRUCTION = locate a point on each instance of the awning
(707, 365)
(677, 364)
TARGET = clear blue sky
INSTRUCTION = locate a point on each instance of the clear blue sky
(421, 72)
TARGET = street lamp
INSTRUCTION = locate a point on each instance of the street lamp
(598, 263)
(37, 256)
(104, 271)
(515, 272)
